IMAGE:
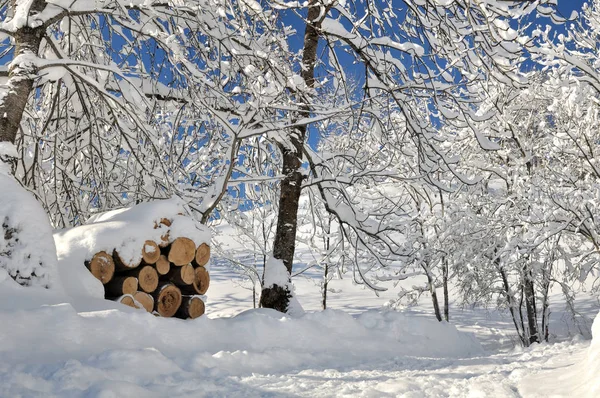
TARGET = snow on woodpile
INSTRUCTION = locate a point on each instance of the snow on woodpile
(128, 236)
(27, 250)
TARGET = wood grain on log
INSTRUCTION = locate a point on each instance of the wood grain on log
(182, 251)
(191, 307)
(147, 278)
(167, 299)
(183, 275)
(127, 300)
(200, 284)
(150, 252)
(121, 285)
(163, 265)
(202, 254)
(146, 300)
(102, 266)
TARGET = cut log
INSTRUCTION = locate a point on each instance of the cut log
(167, 299)
(150, 252)
(146, 300)
(200, 284)
(121, 285)
(164, 240)
(147, 278)
(101, 266)
(163, 265)
(191, 307)
(202, 254)
(122, 265)
(182, 251)
(164, 221)
(127, 300)
(183, 275)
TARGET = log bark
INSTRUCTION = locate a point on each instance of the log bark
(121, 285)
(150, 252)
(101, 266)
(184, 275)
(146, 276)
(167, 299)
(202, 255)
(191, 307)
(145, 300)
(121, 265)
(200, 284)
(163, 265)
(182, 251)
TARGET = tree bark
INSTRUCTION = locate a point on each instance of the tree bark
(529, 291)
(434, 298)
(511, 303)
(21, 76)
(446, 295)
(275, 296)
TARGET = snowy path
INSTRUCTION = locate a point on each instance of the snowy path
(499, 375)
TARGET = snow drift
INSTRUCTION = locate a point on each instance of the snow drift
(591, 367)
(27, 251)
(53, 350)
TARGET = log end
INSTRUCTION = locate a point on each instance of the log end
(102, 266)
(202, 254)
(168, 300)
(182, 251)
(150, 252)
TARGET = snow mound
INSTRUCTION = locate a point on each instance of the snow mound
(592, 367)
(27, 252)
(124, 230)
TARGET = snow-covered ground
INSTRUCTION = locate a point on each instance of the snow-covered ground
(52, 345)
(86, 349)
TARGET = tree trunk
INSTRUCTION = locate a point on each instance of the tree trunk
(446, 295)
(434, 298)
(511, 304)
(529, 291)
(21, 76)
(275, 296)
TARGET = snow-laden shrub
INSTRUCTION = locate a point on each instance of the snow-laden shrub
(27, 250)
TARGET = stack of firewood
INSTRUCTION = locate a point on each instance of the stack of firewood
(166, 282)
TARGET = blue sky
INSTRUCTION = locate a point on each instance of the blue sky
(566, 6)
